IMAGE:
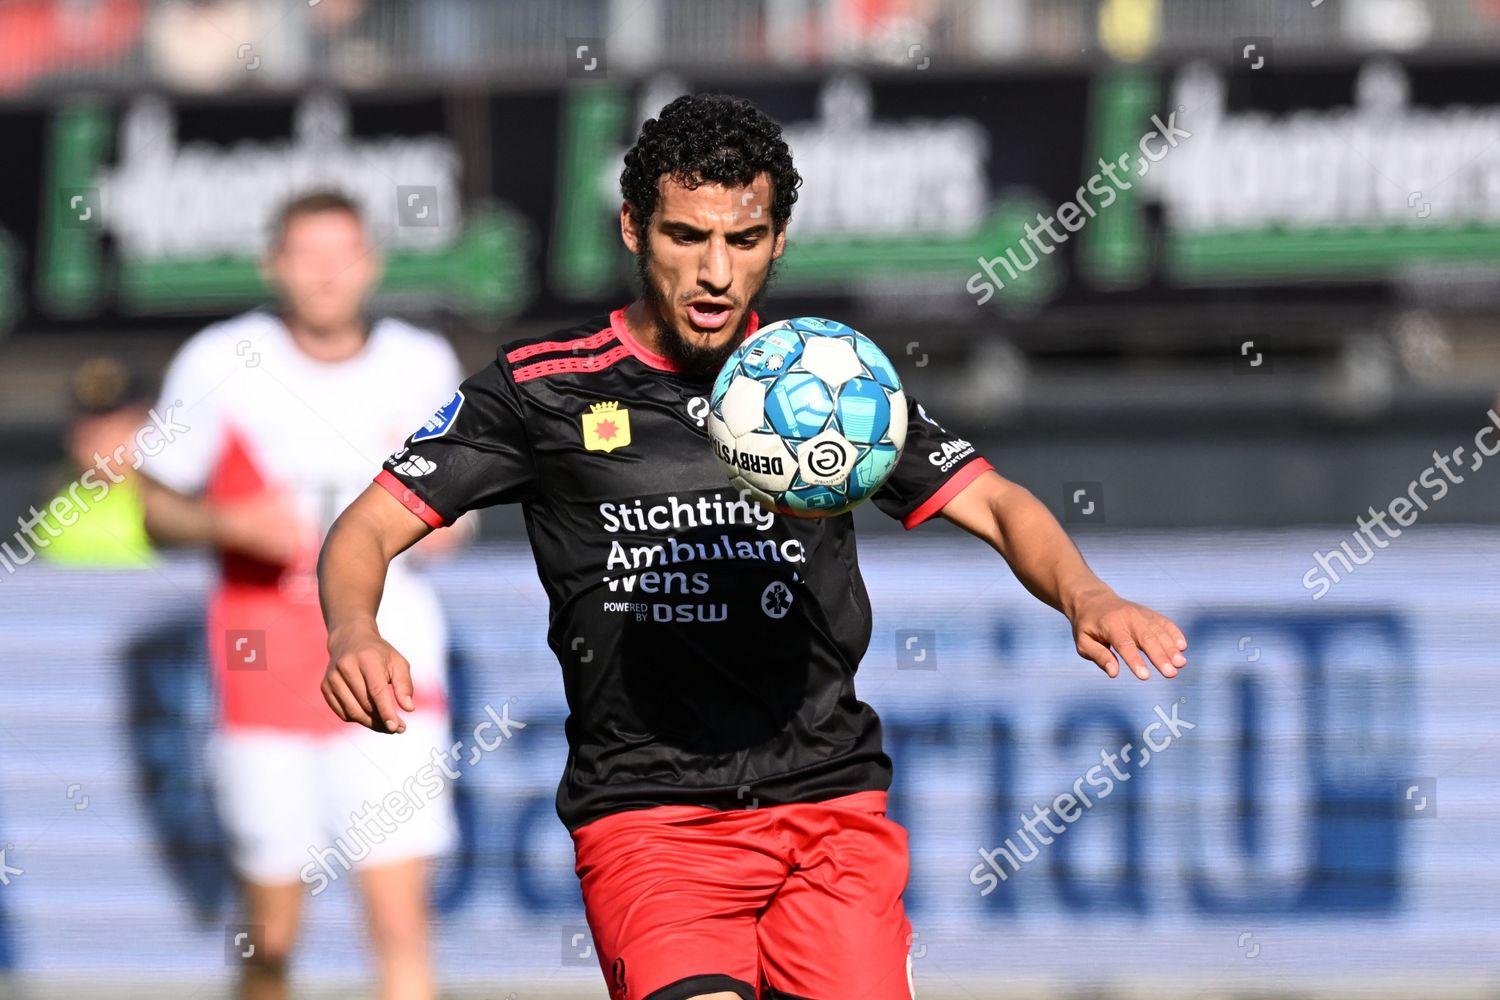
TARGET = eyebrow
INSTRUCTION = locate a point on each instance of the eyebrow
(687, 229)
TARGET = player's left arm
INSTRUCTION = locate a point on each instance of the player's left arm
(1045, 560)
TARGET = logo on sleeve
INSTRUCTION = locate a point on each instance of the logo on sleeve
(437, 425)
(606, 427)
(950, 454)
(416, 467)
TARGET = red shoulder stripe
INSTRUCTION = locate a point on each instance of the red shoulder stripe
(557, 366)
(548, 346)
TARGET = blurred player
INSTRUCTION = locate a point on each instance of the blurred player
(109, 530)
(725, 788)
(285, 411)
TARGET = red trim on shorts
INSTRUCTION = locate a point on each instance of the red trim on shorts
(409, 500)
(558, 366)
(950, 489)
(588, 343)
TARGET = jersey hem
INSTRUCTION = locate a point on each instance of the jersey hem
(576, 815)
(951, 487)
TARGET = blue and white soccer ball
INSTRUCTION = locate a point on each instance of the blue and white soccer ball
(808, 417)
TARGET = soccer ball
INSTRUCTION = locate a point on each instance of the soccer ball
(808, 417)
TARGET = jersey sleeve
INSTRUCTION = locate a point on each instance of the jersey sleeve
(935, 465)
(189, 392)
(473, 452)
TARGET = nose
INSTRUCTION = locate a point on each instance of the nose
(713, 267)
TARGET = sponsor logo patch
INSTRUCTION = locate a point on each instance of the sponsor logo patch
(776, 599)
(437, 425)
(416, 467)
(950, 454)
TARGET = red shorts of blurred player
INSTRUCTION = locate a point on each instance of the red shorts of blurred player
(795, 901)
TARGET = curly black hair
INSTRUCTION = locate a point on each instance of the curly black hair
(709, 139)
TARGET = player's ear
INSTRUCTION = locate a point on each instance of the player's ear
(627, 229)
(778, 245)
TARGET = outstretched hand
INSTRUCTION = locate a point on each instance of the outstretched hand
(1104, 623)
(367, 681)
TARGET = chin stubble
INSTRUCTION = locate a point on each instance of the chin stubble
(690, 359)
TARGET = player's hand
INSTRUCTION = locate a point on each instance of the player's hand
(367, 680)
(264, 527)
(1104, 621)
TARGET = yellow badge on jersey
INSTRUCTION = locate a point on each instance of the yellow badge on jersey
(606, 427)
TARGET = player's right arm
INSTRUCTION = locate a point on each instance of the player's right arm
(258, 526)
(367, 678)
(174, 479)
(473, 453)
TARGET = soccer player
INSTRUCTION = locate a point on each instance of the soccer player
(109, 528)
(725, 789)
(285, 412)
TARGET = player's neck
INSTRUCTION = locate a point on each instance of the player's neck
(645, 326)
(329, 344)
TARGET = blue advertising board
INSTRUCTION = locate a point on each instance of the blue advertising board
(1310, 804)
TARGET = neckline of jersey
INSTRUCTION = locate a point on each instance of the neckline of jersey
(366, 350)
(649, 357)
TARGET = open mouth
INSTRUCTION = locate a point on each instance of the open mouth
(708, 315)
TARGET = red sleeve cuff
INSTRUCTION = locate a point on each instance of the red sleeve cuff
(955, 483)
(409, 500)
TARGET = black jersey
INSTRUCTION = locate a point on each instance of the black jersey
(708, 647)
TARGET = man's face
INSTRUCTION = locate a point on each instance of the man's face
(703, 261)
(323, 269)
(97, 434)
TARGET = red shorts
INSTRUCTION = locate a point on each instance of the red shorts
(798, 901)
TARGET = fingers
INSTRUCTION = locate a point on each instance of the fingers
(377, 673)
(1136, 633)
(1178, 639)
(333, 703)
(1091, 649)
(364, 687)
(1131, 654)
(1162, 649)
(337, 692)
(1170, 637)
(401, 681)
